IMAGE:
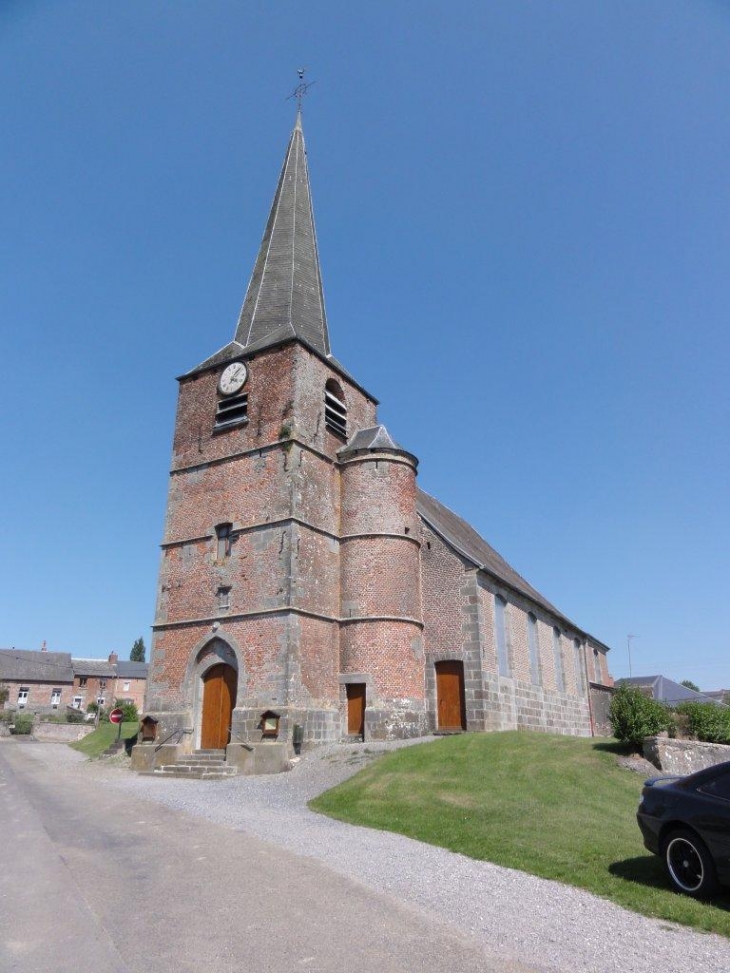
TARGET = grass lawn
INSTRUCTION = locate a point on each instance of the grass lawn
(558, 807)
(103, 736)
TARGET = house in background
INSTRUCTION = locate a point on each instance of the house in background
(718, 695)
(94, 681)
(39, 682)
(44, 682)
(131, 682)
(667, 691)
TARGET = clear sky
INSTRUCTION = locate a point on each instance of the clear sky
(524, 224)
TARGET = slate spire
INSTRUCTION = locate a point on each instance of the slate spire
(284, 297)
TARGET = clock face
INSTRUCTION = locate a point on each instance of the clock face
(233, 378)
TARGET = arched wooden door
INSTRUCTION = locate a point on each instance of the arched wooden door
(219, 697)
(450, 695)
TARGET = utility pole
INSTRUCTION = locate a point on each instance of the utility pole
(628, 646)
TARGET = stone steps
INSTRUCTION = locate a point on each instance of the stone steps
(199, 765)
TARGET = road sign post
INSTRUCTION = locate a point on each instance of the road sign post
(116, 717)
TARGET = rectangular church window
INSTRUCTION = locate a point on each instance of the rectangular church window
(223, 534)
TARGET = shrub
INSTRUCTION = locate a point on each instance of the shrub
(635, 716)
(706, 722)
(129, 710)
(22, 724)
(74, 716)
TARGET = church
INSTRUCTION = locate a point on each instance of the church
(309, 592)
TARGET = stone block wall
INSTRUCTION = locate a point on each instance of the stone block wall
(684, 756)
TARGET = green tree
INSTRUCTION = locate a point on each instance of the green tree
(138, 651)
(635, 716)
(129, 710)
(690, 685)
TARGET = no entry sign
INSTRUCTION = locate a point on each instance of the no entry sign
(115, 716)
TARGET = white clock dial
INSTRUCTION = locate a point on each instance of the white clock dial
(233, 378)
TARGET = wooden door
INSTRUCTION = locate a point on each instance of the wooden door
(450, 695)
(356, 709)
(219, 698)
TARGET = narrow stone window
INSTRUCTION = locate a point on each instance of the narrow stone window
(534, 646)
(500, 632)
(223, 541)
(558, 653)
(597, 665)
(335, 409)
(579, 674)
(224, 598)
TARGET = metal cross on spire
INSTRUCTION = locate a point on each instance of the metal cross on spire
(301, 89)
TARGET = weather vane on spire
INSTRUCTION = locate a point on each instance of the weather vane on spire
(301, 89)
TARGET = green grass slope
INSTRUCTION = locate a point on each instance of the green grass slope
(558, 807)
(94, 744)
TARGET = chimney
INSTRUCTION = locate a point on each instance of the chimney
(113, 658)
(43, 646)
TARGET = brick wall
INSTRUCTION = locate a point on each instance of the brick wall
(330, 577)
(39, 695)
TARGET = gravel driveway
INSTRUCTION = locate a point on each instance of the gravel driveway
(529, 920)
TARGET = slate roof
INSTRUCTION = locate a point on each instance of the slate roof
(375, 438)
(17, 665)
(284, 296)
(285, 299)
(668, 691)
(462, 537)
(132, 670)
(93, 667)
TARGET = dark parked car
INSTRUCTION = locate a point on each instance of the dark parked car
(686, 820)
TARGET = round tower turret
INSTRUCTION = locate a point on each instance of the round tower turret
(381, 645)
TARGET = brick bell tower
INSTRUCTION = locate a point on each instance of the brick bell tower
(289, 585)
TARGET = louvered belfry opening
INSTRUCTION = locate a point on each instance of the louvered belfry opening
(335, 409)
(231, 411)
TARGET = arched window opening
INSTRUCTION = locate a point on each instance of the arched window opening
(558, 653)
(500, 630)
(597, 665)
(335, 409)
(534, 646)
(579, 668)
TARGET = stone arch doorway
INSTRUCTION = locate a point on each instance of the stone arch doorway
(220, 684)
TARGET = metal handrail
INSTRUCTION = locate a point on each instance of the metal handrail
(243, 743)
(169, 737)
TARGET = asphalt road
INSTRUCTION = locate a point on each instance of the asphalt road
(93, 879)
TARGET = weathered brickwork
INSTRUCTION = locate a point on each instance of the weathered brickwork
(297, 553)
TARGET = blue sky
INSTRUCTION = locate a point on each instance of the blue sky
(524, 225)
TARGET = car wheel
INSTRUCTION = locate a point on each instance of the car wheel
(689, 864)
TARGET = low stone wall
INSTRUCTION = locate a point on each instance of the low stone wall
(61, 732)
(684, 756)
